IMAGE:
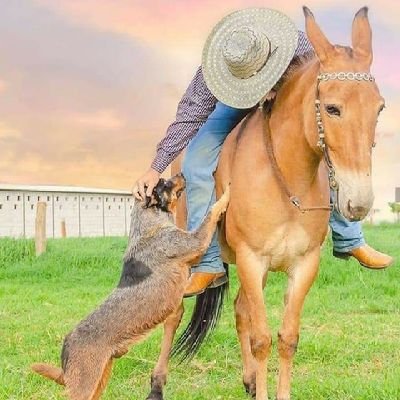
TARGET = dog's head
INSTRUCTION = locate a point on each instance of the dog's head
(166, 193)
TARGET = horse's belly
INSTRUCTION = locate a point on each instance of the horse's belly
(284, 245)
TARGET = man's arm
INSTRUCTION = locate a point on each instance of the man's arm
(193, 110)
(303, 45)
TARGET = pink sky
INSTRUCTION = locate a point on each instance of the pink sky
(88, 87)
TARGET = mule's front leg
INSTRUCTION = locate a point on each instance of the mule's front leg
(251, 271)
(159, 375)
(243, 326)
(301, 277)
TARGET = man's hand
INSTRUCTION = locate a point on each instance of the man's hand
(145, 184)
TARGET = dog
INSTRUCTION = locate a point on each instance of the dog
(155, 273)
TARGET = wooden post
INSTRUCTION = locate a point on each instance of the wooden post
(63, 228)
(40, 228)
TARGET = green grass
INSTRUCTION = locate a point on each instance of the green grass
(349, 344)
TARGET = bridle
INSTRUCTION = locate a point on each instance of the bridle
(333, 184)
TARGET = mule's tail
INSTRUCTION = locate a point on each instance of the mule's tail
(49, 371)
(205, 317)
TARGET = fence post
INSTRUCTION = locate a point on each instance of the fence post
(63, 228)
(40, 228)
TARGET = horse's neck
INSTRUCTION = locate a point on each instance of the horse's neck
(292, 123)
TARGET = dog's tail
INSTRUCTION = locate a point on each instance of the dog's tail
(205, 317)
(49, 371)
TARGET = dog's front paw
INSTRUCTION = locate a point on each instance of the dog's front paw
(224, 200)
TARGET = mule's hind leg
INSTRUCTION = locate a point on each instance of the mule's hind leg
(251, 272)
(243, 330)
(301, 278)
(159, 375)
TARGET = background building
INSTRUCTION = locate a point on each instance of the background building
(86, 211)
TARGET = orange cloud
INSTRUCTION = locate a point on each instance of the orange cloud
(101, 119)
(105, 78)
(178, 29)
(7, 131)
(3, 85)
(177, 21)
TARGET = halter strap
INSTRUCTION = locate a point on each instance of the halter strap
(277, 171)
(346, 76)
(322, 77)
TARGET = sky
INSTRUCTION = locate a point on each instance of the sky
(88, 87)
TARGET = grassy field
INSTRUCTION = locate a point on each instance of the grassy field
(349, 345)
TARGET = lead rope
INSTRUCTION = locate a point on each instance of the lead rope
(275, 167)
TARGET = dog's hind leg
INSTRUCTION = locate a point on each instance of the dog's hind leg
(103, 381)
(159, 375)
(84, 378)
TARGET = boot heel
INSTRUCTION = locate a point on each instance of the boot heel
(342, 256)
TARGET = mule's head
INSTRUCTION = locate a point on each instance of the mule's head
(349, 111)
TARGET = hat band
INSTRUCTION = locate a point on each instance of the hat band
(246, 52)
(233, 70)
(269, 55)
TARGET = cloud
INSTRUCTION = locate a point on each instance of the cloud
(162, 20)
(7, 132)
(3, 85)
(96, 82)
(85, 105)
(178, 29)
(388, 120)
(102, 119)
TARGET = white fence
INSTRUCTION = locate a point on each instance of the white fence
(86, 211)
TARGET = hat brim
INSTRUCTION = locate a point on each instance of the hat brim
(246, 93)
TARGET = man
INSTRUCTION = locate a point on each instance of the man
(245, 55)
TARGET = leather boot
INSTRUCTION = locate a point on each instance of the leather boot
(200, 281)
(367, 257)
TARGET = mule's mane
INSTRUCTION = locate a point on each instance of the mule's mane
(300, 61)
(296, 64)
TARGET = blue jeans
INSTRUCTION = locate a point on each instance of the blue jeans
(200, 163)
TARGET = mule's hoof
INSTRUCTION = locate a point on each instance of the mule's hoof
(250, 388)
(284, 397)
(155, 396)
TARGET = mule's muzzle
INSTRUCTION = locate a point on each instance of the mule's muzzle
(356, 213)
(354, 196)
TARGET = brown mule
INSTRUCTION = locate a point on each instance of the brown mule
(324, 113)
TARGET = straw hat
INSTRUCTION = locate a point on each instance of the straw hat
(246, 54)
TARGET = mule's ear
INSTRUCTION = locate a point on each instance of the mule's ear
(321, 44)
(362, 37)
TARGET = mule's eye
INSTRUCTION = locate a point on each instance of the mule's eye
(333, 110)
(381, 108)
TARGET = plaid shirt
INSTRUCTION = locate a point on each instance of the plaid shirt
(193, 110)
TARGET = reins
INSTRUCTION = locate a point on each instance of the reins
(333, 184)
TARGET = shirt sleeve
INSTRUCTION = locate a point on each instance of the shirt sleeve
(193, 110)
(303, 45)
